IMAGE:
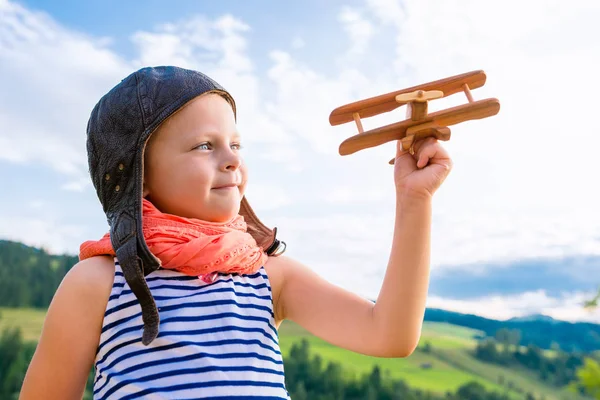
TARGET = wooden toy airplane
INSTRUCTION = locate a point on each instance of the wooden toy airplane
(418, 123)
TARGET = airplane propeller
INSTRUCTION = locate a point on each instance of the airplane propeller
(419, 96)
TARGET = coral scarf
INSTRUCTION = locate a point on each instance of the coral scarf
(191, 246)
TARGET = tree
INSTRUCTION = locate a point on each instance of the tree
(486, 351)
(588, 378)
(333, 380)
(427, 347)
(515, 338)
(375, 377)
(14, 359)
(503, 336)
(300, 393)
(472, 391)
(593, 302)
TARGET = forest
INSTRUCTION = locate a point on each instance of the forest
(560, 354)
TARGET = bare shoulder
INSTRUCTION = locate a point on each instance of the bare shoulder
(89, 282)
(279, 268)
(94, 274)
(71, 332)
(85, 289)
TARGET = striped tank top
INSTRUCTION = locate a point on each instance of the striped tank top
(216, 341)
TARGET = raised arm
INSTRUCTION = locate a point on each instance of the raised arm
(67, 346)
(392, 326)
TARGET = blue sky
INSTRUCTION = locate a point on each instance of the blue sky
(516, 228)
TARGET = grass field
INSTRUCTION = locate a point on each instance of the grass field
(29, 320)
(450, 361)
(445, 368)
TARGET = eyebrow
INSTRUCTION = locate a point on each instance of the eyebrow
(212, 134)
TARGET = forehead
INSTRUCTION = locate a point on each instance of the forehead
(208, 108)
(209, 113)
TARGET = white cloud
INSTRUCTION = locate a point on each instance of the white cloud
(219, 49)
(523, 181)
(348, 195)
(78, 185)
(359, 30)
(568, 307)
(50, 79)
(267, 197)
(48, 232)
(387, 11)
(298, 43)
(37, 129)
(36, 204)
(499, 234)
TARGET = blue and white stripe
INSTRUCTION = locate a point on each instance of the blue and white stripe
(216, 341)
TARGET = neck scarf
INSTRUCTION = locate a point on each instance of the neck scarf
(191, 246)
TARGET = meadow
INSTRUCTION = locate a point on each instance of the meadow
(443, 361)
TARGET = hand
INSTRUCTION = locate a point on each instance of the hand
(421, 174)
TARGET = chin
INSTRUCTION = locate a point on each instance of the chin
(224, 215)
(223, 218)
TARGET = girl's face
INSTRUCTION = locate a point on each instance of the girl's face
(193, 168)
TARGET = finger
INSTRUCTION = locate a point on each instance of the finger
(426, 150)
(404, 164)
(400, 153)
(399, 149)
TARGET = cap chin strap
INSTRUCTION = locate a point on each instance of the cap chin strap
(132, 267)
(265, 237)
(127, 245)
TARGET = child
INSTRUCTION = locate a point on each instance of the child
(184, 295)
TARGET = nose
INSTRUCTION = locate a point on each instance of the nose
(231, 161)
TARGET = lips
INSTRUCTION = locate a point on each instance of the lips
(227, 186)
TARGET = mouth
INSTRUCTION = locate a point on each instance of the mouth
(228, 186)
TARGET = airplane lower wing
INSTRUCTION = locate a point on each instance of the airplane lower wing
(396, 131)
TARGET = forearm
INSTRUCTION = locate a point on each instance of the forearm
(398, 312)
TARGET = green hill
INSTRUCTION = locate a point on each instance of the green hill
(540, 330)
(443, 362)
(447, 365)
(29, 277)
(29, 320)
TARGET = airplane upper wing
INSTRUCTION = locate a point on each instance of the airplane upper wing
(387, 102)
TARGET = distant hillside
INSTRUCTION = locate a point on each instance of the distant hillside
(534, 317)
(542, 331)
(443, 362)
(29, 277)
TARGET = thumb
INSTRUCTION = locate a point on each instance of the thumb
(404, 163)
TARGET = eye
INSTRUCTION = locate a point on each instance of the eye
(237, 146)
(203, 146)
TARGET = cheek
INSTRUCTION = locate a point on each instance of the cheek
(191, 178)
(180, 179)
(244, 172)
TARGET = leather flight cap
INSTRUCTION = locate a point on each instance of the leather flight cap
(117, 133)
